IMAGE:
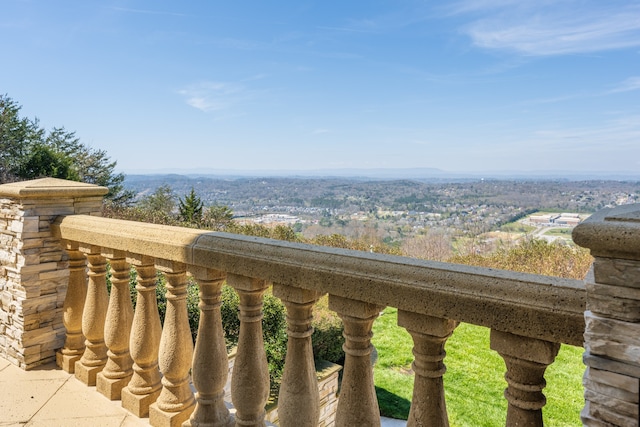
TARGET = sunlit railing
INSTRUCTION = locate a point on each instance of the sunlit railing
(529, 316)
(53, 295)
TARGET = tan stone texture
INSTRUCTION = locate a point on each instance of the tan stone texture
(613, 338)
(33, 265)
(612, 321)
(613, 379)
(611, 233)
(609, 415)
(619, 406)
(429, 337)
(298, 400)
(617, 272)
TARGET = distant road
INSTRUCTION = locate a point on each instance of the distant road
(541, 230)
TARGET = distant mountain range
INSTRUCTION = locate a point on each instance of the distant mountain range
(398, 173)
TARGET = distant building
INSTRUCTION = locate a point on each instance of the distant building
(275, 219)
(566, 219)
(544, 219)
(570, 220)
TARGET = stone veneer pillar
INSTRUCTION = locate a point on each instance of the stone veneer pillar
(34, 267)
(612, 335)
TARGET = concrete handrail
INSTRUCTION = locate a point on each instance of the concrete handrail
(536, 306)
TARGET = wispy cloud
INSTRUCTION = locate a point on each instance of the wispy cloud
(216, 96)
(397, 18)
(627, 85)
(469, 6)
(630, 84)
(617, 135)
(544, 28)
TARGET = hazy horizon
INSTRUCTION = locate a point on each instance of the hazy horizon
(391, 173)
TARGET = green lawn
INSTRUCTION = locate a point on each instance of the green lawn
(474, 382)
(560, 232)
(517, 227)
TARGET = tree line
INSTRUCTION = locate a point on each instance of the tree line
(28, 151)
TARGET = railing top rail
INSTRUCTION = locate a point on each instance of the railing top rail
(543, 307)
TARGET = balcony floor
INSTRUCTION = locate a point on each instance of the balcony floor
(48, 396)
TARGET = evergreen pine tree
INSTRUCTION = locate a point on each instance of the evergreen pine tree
(191, 208)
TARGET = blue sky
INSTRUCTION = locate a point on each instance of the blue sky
(457, 85)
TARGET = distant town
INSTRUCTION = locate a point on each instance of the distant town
(394, 210)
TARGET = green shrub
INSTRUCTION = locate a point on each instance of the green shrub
(193, 310)
(274, 326)
(229, 313)
(161, 295)
(358, 244)
(535, 256)
(327, 337)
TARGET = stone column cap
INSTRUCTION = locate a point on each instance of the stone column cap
(611, 233)
(50, 188)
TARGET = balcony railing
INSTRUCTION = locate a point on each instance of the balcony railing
(129, 356)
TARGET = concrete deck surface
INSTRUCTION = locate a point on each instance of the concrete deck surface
(49, 397)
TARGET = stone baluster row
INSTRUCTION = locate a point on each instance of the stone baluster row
(101, 328)
(526, 360)
(124, 352)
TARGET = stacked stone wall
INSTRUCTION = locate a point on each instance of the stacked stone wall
(33, 280)
(34, 275)
(612, 319)
(612, 343)
(327, 375)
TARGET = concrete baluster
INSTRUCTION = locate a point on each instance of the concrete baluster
(358, 405)
(118, 370)
(176, 401)
(298, 400)
(526, 360)
(210, 364)
(73, 307)
(250, 379)
(429, 335)
(93, 318)
(144, 387)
